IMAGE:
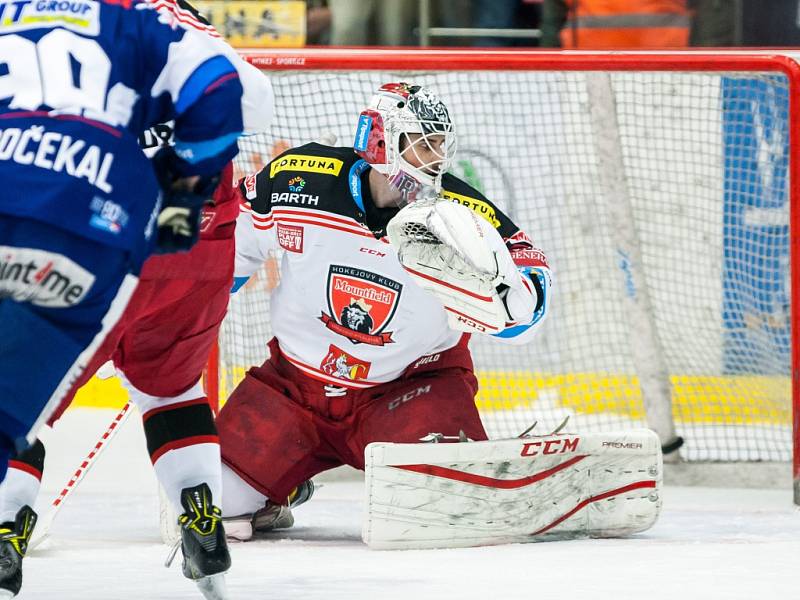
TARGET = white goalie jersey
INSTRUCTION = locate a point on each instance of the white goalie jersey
(346, 311)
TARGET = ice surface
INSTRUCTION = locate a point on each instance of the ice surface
(709, 543)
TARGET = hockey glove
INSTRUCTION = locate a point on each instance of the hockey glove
(182, 202)
(461, 259)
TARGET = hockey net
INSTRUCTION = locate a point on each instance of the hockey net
(659, 187)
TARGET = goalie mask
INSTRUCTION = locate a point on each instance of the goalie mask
(407, 135)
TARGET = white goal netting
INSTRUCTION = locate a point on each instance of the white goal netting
(693, 296)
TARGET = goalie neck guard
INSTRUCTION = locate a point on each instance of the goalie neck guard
(406, 134)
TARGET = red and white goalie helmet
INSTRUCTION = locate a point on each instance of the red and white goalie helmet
(404, 123)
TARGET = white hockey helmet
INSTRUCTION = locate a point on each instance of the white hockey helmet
(382, 136)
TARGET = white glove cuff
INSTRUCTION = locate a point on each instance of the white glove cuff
(520, 303)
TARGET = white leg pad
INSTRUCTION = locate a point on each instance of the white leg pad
(560, 486)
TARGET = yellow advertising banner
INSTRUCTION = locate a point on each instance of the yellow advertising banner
(258, 24)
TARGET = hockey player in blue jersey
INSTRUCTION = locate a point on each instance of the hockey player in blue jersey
(81, 206)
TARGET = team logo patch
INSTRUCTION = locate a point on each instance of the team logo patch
(338, 363)
(361, 305)
(296, 184)
(290, 237)
(250, 186)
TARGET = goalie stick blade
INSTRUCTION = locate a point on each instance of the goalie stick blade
(502, 491)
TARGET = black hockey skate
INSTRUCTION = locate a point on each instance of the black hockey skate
(205, 551)
(14, 538)
(279, 516)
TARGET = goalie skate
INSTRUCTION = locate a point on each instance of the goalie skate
(279, 516)
(270, 518)
(559, 486)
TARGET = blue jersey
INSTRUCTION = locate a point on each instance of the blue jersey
(79, 81)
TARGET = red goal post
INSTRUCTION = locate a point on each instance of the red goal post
(663, 186)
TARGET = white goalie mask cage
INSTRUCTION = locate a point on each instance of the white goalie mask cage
(395, 111)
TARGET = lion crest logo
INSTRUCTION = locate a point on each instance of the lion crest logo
(356, 316)
(361, 304)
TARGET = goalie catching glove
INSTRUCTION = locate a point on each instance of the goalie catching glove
(461, 259)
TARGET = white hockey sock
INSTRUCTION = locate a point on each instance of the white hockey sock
(240, 497)
(187, 467)
(20, 487)
(182, 441)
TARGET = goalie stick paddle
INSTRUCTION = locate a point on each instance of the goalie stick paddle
(42, 529)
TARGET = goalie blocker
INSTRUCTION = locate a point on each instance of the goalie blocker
(554, 487)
